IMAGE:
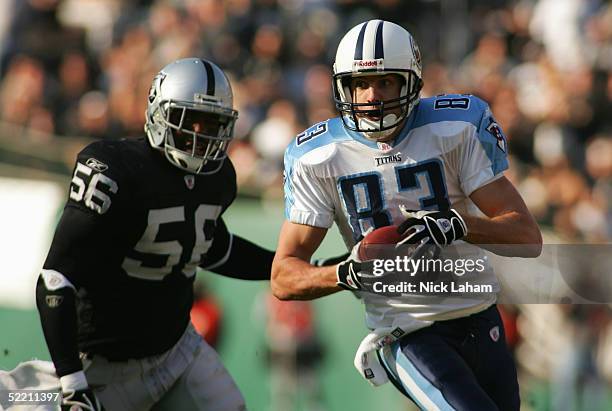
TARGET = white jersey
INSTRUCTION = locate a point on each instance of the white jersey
(449, 146)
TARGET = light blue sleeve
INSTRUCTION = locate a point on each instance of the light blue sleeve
(307, 197)
(494, 142)
(485, 155)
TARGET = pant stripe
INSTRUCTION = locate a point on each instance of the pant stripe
(426, 395)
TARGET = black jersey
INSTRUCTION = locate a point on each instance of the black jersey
(132, 234)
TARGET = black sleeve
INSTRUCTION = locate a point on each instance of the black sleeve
(233, 256)
(70, 253)
(95, 203)
(78, 237)
(58, 317)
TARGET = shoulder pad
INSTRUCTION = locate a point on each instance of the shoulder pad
(318, 139)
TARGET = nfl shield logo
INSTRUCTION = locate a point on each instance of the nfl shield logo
(494, 333)
(190, 181)
(384, 146)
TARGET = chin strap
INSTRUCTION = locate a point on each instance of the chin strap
(376, 134)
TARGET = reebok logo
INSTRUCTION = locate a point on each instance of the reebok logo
(96, 165)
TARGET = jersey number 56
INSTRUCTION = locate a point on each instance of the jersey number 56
(149, 247)
(92, 193)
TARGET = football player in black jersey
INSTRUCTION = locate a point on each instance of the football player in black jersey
(115, 292)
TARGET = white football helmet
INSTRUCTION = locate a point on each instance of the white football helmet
(371, 48)
(190, 115)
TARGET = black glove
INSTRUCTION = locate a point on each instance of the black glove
(432, 227)
(350, 274)
(80, 400)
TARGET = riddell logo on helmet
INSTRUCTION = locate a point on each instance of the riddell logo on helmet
(368, 64)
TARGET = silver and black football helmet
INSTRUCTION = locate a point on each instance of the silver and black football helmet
(190, 115)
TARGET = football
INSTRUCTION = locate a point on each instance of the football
(378, 243)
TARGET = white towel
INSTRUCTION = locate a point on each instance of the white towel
(366, 360)
(29, 375)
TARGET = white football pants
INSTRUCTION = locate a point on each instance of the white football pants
(189, 376)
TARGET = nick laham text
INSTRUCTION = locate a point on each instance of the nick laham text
(431, 287)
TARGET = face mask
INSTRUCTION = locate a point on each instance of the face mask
(367, 124)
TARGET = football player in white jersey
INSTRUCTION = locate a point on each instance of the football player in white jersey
(389, 152)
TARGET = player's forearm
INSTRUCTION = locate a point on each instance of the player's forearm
(59, 323)
(512, 234)
(295, 279)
